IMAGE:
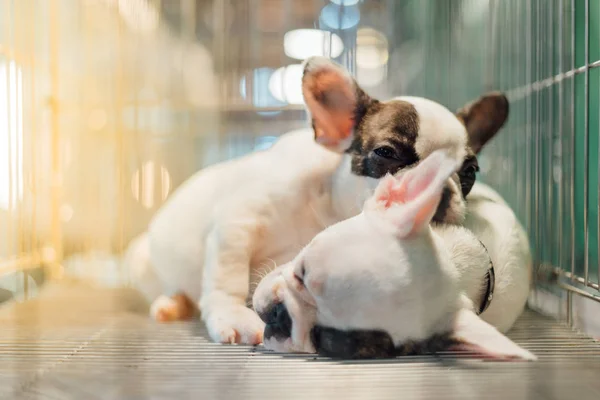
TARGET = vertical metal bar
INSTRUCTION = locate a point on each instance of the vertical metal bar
(506, 82)
(528, 106)
(586, 151)
(32, 132)
(490, 40)
(523, 110)
(9, 62)
(598, 208)
(537, 134)
(550, 135)
(560, 133)
(449, 72)
(56, 195)
(20, 65)
(503, 82)
(570, 308)
(516, 53)
(550, 139)
(572, 144)
(9, 53)
(119, 142)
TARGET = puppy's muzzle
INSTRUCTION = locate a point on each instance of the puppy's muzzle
(278, 322)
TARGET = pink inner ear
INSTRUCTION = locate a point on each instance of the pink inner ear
(333, 122)
(417, 183)
(408, 188)
(391, 192)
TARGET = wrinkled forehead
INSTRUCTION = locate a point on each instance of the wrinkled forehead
(344, 237)
(356, 264)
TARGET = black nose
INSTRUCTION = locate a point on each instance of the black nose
(278, 322)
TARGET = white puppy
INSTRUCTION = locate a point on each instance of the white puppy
(386, 282)
(230, 221)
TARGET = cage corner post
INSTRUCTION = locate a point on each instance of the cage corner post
(53, 261)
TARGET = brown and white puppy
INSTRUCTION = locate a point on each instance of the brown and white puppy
(230, 221)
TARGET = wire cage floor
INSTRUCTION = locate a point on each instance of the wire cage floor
(79, 342)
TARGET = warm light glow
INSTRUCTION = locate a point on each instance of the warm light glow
(372, 48)
(276, 84)
(304, 43)
(372, 56)
(286, 84)
(143, 184)
(66, 212)
(11, 135)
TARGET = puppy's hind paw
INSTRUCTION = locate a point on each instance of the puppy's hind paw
(175, 308)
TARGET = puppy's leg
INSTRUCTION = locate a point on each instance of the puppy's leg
(226, 281)
(143, 276)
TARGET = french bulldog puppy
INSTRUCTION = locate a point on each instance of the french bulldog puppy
(388, 282)
(231, 221)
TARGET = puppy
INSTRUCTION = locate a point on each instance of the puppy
(386, 282)
(232, 220)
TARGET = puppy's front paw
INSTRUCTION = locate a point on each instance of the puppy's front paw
(235, 325)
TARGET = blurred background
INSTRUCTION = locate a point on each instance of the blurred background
(107, 106)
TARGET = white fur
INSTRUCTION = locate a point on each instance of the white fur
(387, 269)
(493, 222)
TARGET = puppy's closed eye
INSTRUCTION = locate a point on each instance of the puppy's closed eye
(299, 276)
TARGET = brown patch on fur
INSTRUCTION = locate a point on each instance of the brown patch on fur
(394, 124)
(369, 344)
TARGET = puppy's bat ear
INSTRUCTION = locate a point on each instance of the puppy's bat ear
(483, 118)
(416, 193)
(474, 335)
(334, 100)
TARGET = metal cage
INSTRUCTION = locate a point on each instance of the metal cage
(106, 106)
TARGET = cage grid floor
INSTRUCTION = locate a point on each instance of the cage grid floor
(77, 342)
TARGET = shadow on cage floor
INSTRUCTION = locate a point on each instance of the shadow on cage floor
(76, 341)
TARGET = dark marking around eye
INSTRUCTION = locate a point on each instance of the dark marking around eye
(440, 214)
(468, 174)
